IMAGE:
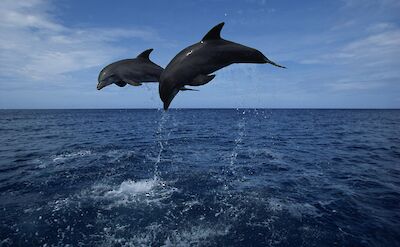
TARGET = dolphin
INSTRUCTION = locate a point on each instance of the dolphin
(193, 65)
(130, 71)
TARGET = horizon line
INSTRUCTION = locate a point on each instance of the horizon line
(214, 108)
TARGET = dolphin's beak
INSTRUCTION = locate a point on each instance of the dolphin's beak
(100, 85)
(103, 83)
(273, 63)
(170, 98)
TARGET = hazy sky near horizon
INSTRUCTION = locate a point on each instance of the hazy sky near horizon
(339, 54)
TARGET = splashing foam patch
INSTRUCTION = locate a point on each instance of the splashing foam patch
(129, 192)
(131, 187)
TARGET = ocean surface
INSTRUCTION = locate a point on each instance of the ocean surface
(236, 177)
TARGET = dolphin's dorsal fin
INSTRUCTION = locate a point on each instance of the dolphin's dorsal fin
(145, 54)
(214, 33)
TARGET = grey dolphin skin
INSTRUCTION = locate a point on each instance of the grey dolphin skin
(130, 71)
(193, 65)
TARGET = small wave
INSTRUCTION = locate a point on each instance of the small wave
(118, 155)
(265, 153)
(6, 242)
(40, 164)
(47, 161)
(64, 157)
(295, 209)
(112, 156)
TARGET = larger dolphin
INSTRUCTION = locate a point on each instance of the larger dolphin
(194, 64)
(130, 71)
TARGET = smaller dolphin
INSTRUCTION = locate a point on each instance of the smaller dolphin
(130, 71)
(193, 65)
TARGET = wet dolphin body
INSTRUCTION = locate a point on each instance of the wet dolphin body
(193, 65)
(130, 71)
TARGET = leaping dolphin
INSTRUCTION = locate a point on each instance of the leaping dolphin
(193, 65)
(130, 71)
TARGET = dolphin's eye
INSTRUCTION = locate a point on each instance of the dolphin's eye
(190, 52)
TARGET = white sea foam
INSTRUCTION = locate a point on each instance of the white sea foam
(60, 204)
(131, 187)
(195, 236)
(192, 236)
(275, 204)
(189, 205)
(129, 192)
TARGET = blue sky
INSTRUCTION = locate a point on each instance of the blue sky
(339, 54)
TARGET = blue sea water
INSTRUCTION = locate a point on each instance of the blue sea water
(243, 177)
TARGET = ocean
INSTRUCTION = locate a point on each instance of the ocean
(200, 177)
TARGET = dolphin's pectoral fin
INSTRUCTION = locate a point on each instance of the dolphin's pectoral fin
(187, 89)
(136, 84)
(133, 83)
(120, 84)
(201, 80)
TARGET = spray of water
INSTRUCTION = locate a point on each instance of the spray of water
(153, 93)
(240, 133)
(241, 126)
(161, 141)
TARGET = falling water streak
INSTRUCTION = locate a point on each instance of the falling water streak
(231, 211)
(238, 140)
(161, 142)
(241, 124)
(229, 171)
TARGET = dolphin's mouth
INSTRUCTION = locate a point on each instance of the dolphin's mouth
(103, 83)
